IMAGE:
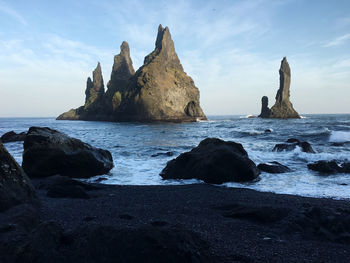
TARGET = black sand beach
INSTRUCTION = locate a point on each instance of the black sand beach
(234, 225)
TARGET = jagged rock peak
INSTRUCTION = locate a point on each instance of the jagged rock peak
(97, 78)
(122, 66)
(164, 49)
(124, 48)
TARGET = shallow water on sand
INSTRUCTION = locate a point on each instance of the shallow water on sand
(133, 144)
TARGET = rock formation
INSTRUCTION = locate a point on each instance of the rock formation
(214, 161)
(15, 187)
(11, 136)
(283, 108)
(49, 152)
(265, 111)
(121, 72)
(160, 90)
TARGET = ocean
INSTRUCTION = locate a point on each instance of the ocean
(141, 150)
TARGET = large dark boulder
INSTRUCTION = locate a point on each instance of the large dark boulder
(49, 152)
(15, 187)
(291, 144)
(273, 167)
(329, 167)
(11, 136)
(213, 161)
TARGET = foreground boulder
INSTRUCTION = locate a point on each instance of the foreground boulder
(283, 108)
(11, 136)
(213, 161)
(64, 187)
(49, 152)
(273, 168)
(329, 167)
(96, 243)
(291, 144)
(15, 187)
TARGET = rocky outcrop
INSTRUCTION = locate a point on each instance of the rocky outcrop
(273, 168)
(283, 108)
(213, 161)
(265, 111)
(160, 90)
(49, 152)
(330, 167)
(11, 136)
(15, 187)
(291, 144)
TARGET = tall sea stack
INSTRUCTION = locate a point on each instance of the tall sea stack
(160, 90)
(283, 108)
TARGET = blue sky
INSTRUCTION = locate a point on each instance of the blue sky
(232, 50)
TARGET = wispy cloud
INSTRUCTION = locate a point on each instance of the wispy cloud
(338, 41)
(4, 8)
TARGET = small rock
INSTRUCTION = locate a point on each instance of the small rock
(273, 167)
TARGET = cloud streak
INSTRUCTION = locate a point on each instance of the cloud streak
(338, 41)
(4, 8)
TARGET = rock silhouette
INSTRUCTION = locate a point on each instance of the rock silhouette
(213, 161)
(160, 90)
(49, 152)
(283, 108)
(15, 187)
(265, 111)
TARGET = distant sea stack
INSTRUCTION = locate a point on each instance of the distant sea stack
(159, 90)
(283, 108)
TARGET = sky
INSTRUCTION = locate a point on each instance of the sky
(231, 49)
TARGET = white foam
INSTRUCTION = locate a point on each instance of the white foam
(340, 136)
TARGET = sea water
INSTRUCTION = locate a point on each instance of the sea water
(133, 144)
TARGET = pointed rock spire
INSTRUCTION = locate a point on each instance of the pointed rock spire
(283, 108)
(122, 66)
(95, 88)
(164, 50)
(98, 79)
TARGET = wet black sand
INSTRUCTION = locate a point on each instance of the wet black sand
(239, 225)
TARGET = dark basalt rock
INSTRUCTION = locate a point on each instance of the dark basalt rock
(319, 223)
(160, 90)
(283, 108)
(15, 187)
(213, 161)
(49, 152)
(329, 167)
(96, 243)
(273, 167)
(11, 136)
(265, 111)
(291, 144)
(65, 187)
(163, 154)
